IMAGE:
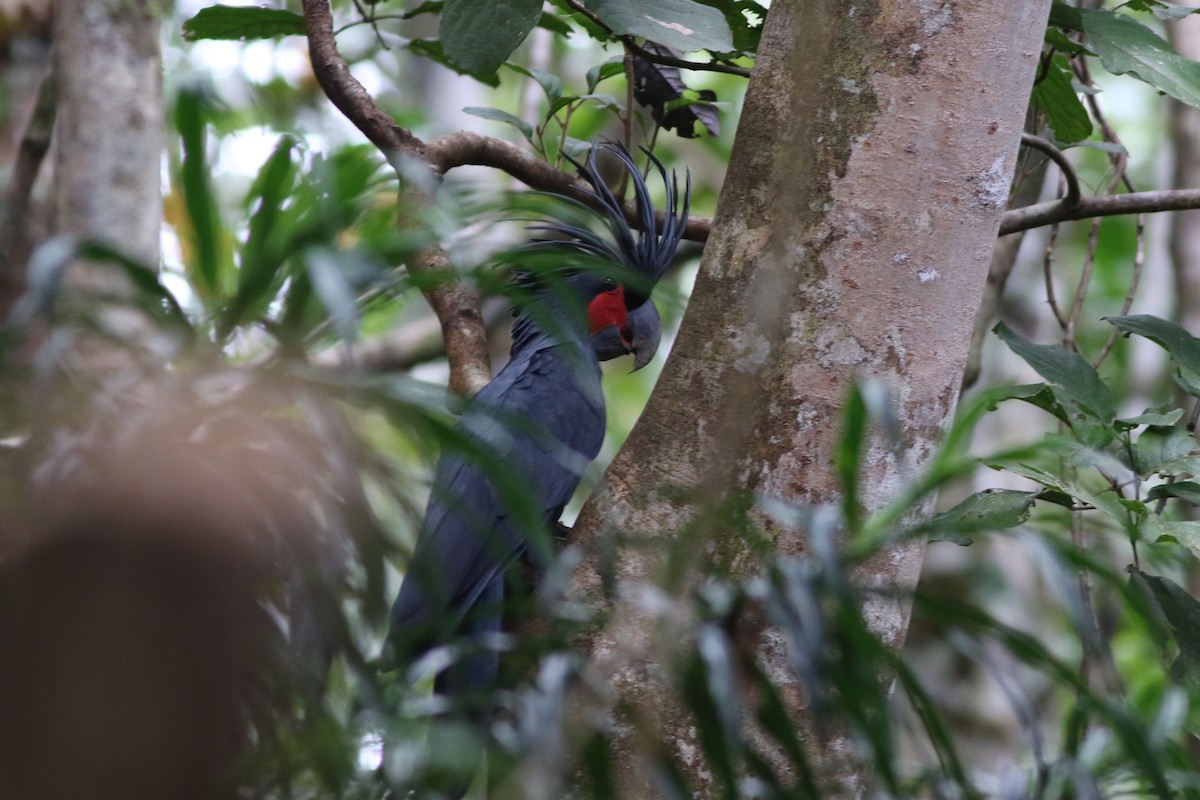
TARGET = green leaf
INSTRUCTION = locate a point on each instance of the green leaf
(1055, 96)
(1038, 394)
(498, 115)
(1126, 46)
(1145, 600)
(847, 458)
(1061, 42)
(479, 37)
(989, 510)
(1185, 532)
(555, 24)
(1171, 603)
(1172, 337)
(1168, 12)
(1152, 417)
(1078, 380)
(551, 84)
(1065, 16)
(145, 279)
(262, 260)
(243, 22)
(1187, 491)
(432, 49)
(197, 191)
(614, 66)
(681, 25)
(1168, 451)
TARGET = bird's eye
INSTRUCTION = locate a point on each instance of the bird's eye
(609, 284)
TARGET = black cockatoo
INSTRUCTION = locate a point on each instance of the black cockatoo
(534, 428)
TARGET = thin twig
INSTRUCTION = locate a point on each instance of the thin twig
(681, 63)
(1037, 216)
(1081, 288)
(629, 100)
(1139, 263)
(1058, 157)
(1048, 276)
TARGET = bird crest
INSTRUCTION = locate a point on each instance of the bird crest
(647, 251)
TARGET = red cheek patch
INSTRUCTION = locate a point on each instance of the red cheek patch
(608, 308)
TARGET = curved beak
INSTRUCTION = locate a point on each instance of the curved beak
(640, 336)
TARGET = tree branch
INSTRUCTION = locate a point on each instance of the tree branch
(456, 307)
(1059, 158)
(347, 94)
(1022, 219)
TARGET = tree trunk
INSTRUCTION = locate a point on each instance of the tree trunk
(851, 242)
(109, 136)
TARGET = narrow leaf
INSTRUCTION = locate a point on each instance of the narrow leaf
(498, 115)
(197, 191)
(261, 266)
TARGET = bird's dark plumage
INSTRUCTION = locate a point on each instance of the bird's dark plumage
(531, 431)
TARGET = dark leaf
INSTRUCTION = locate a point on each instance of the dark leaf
(659, 88)
(1069, 371)
(1065, 16)
(1168, 451)
(1038, 394)
(243, 22)
(1187, 491)
(261, 264)
(1182, 614)
(1184, 532)
(1055, 96)
(745, 18)
(197, 191)
(1126, 46)
(848, 457)
(1171, 336)
(479, 37)
(989, 510)
(432, 49)
(498, 115)
(1152, 417)
(682, 25)
(614, 66)
(1168, 12)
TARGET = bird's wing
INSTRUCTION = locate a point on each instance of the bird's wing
(540, 422)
